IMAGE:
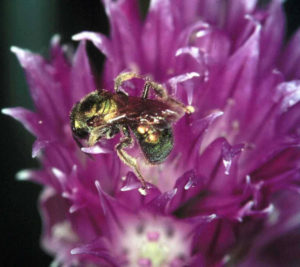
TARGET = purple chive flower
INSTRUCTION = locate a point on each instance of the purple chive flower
(229, 191)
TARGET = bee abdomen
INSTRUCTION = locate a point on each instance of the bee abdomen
(156, 152)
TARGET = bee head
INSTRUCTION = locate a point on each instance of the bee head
(78, 123)
(84, 115)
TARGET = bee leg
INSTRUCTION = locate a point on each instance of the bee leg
(94, 136)
(125, 76)
(146, 89)
(92, 140)
(162, 93)
(130, 161)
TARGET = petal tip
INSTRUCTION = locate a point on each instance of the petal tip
(98, 186)
(15, 49)
(6, 111)
(18, 51)
(78, 36)
(23, 175)
(95, 150)
(74, 251)
(24, 56)
(55, 40)
(94, 37)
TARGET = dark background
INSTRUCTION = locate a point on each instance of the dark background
(31, 24)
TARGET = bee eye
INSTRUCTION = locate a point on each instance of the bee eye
(80, 132)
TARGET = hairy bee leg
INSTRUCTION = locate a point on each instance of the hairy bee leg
(92, 139)
(161, 92)
(125, 76)
(94, 136)
(129, 160)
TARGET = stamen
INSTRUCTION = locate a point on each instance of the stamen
(142, 191)
(190, 109)
(144, 262)
(153, 236)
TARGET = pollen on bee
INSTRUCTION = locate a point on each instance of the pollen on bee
(152, 138)
(142, 129)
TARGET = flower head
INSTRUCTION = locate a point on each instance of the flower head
(222, 185)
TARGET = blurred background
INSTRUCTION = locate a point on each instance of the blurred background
(31, 24)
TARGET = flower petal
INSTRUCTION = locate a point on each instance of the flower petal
(238, 75)
(272, 33)
(98, 248)
(290, 59)
(125, 31)
(58, 235)
(159, 30)
(29, 119)
(81, 76)
(99, 40)
(40, 78)
(129, 192)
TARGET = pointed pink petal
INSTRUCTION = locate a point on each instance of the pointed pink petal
(125, 26)
(159, 30)
(290, 59)
(99, 40)
(31, 121)
(39, 74)
(130, 192)
(82, 77)
(100, 249)
(272, 33)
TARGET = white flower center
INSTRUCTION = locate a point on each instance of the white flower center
(154, 243)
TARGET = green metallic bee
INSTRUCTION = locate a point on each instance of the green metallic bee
(103, 114)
